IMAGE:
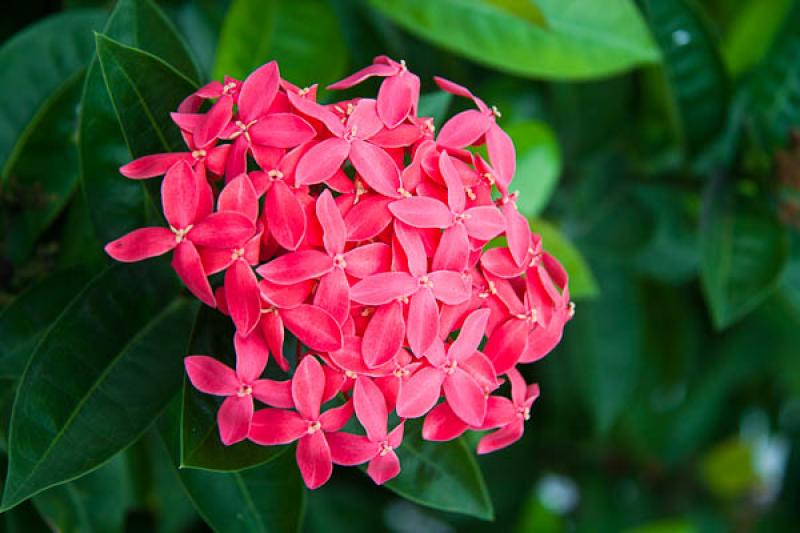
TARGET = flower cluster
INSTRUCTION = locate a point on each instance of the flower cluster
(357, 229)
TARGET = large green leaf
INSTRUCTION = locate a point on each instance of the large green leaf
(694, 69)
(744, 249)
(201, 446)
(303, 36)
(752, 32)
(103, 371)
(95, 503)
(441, 475)
(266, 498)
(37, 64)
(538, 165)
(27, 318)
(117, 204)
(604, 342)
(42, 179)
(774, 89)
(581, 280)
(579, 39)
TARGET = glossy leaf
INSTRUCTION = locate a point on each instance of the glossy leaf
(115, 354)
(581, 280)
(579, 39)
(304, 37)
(745, 249)
(773, 93)
(434, 105)
(97, 502)
(116, 204)
(30, 315)
(201, 446)
(441, 475)
(38, 64)
(694, 70)
(604, 342)
(538, 165)
(752, 32)
(44, 176)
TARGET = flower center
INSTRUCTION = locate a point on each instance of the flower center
(228, 87)
(180, 234)
(244, 390)
(243, 129)
(424, 281)
(313, 427)
(384, 448)
(488, 177)
(401, 372)
(571, 310)
(275, 174)
(367, 311)
(403, 65)
(450, 368)
(267, 310)
(496, 112)
(237, 253)
(404, 193)
(470, 193)
(350, 374)
(304, 91)
(199, 154)
(350, 134)
(529, 316)
(460, 218)
(339, 262)
(490, 290)
(524, 412)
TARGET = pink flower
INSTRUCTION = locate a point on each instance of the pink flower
(306, 425)
(187, 207)
(239, 387)
(378, 446)
(356, 230)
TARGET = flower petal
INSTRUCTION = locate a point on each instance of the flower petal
(321, 161)
(150, 166)
(225, 229)
(501, 438)
(422, 212)
(370, 407)
(384, 287)
(308, 384)
(296, 267)
(501, 154)
(258, 91)
(187, 264)
(463, 129)
(376, 167)
(274, 393)
(465, 397)
(251, 356)
(395, 100)
(210, 376)
(285, 296)
(239, 196)
(382, 468)
(452, 253)
(376, 69)
(450, 287)
(242, 296)
(419, 394)
(350, 450)
(282, 130)
(442, 424)
(330, 218)
(276, 426)
(470, 336)
(368, 217)
(271, 326)
(284, 215)
(455, 186)
(314, 327)
(368, 260)
(333, 295)
(507, 343)
(384, 334)
(141, 243)
(233, 419)
(314, 459)
(423, 322)
(484, 222)
(180, 195)
(336, 418)
(214, 122)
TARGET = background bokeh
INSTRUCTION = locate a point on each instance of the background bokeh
(657, 159)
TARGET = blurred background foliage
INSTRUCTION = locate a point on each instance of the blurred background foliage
(657, 157)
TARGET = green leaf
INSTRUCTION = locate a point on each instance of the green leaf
(117, 204)
(144, 90)
(26, 319)
(440, 475)
(729, 469)
(752, 32)
(538, 165)
(579, 39)
(774, 90)
(744, 249)
(266, 498)
(37, 63)
(304, 37)
(581, 280)
(42, 179)
(434, 105)
(604, 342)
(694, 68)
(100, 375)
(201, 446)
(97, 502)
